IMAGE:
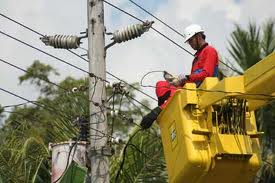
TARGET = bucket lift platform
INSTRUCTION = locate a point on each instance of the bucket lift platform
(209, 134)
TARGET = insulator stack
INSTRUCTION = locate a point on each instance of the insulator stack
(131, 32)
(62, 41)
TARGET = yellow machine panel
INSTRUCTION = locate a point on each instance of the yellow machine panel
(209, 133)
(196, 151)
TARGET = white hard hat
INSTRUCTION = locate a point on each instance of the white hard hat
(191, 30)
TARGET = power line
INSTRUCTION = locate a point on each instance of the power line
(50, 55)
(43, 79)
(35, 102)
(50, 109)
(68, 160)
(145, 106)
(14, 105)
(267, 97)
(32, 102)
(124, 154)
(26, 116)
(21, 24)
(132, 86)
(19, 68)
(143, 9)
(198, 89)
(66, 90)
(65, 61)
(54, 110)
(233, 69)
(173, 29)
(151, 27)
(38, 33)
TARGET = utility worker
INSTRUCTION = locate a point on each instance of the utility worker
(205, 64)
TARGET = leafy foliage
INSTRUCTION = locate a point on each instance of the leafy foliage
(22, 154)
(249, 46)
(142, 158)
(38, 74)
(245, 45)
(29, 128)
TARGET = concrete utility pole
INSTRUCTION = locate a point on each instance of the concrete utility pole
(97, 93)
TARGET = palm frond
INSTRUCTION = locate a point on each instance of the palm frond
(144, 160)
(245, 45)
(268, 42)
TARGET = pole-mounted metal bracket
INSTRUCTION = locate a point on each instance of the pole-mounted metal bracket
(105, 151)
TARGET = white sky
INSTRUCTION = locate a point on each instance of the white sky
(130, 60)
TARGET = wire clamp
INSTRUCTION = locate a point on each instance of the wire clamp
(118, 87)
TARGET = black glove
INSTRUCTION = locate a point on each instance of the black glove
(149, 118)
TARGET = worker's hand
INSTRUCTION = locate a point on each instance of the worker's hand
(183, 78)
(175, 82)
(179, 80)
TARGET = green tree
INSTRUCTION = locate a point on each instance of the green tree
(29, 128)
(247, 47)
(141, 159)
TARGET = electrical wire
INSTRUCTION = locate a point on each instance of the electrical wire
(204, 90)
(35, 103)
(147, 86)
(50, 109)
(68, 160)
(50, 55)
(14, 105)
(162, 34)
(138, 108)
(38, 33)
(141, 81)
(120, 102)
(113, 116)
(29, 101)
(127, 95)
(173, 29)
(90, 74)
(129, 14)
(41, 78)
(146, 11)
(132, 86)
(124, 154)
(29, 116)
(140, 151)
(93, 93)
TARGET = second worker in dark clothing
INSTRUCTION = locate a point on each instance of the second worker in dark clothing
(205, 64)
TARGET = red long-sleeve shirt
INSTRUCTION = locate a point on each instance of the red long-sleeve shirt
(205, 64)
